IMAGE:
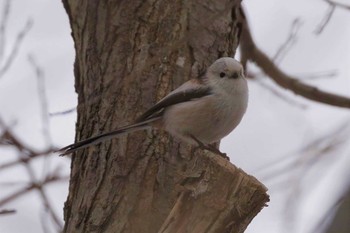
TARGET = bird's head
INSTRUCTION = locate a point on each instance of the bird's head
(227, 73)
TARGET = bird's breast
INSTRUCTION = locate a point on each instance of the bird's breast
(209, 118)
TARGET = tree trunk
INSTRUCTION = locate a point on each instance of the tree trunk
(130, 54)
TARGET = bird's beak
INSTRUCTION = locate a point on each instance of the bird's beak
(235, 76)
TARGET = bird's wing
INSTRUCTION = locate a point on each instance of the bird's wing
(186, 92)
(190, 90)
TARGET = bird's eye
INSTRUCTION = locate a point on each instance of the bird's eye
(222, 74)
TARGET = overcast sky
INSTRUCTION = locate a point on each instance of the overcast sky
(267, 144)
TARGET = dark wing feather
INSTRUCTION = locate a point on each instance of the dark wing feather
(172, 99)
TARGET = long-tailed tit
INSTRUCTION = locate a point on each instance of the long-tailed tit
(201, 111)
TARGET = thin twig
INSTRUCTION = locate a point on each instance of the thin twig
(6, 212)
(280, 95)
(288, 44)
(314, 154)
(42, 193)
(318, 147)
(261, 82)
(12, 140)
(251, 52)
(71, 110)
(24, 153)
(3, 25)
(29, 188)
(13, 54)
(50, 210)
(24, 160)
(279, 55)
(332, 5)
(326, 19)
(339, 4)
(42, 98)
(39, 186)
(318, 75)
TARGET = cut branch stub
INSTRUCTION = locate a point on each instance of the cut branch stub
(223, 199)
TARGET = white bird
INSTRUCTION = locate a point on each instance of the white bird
(201, 111)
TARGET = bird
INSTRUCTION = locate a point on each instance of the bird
(200, 112)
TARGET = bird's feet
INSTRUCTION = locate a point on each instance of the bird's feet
(211, 148)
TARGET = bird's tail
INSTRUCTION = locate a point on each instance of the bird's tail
(103, 137)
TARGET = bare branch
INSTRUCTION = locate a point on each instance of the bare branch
(42, 98)
(5, 212)
(3, 25)
(329, 14)
(288, 44)
(48, 207)
(311, 153)
(39, 187)
(252, 52)
(318, 75)
(280, 95)
(326, 19)
(280, 54)
(63, 112)
(339, 4)
(24, 160)
(25, 155)
(7, 138)
(21, 35)
(32, 186)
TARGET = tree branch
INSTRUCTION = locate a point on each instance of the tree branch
(25, 156)
(3, 26)
(15, 49)
(326, 19)
(251, 52)
(6, 211)
(32, 186)
(339, 4)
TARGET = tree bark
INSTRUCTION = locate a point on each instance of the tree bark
(130, 54)
(340, 222)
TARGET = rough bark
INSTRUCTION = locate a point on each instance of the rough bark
(129, 54)
(340, 222)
